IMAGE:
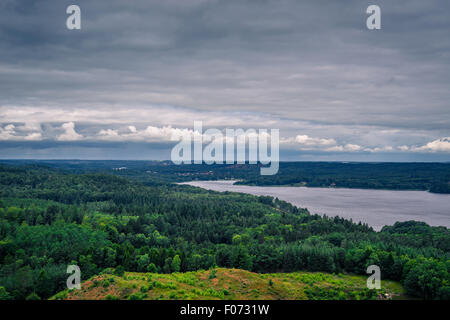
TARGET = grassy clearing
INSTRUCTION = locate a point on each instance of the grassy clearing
(230, 284)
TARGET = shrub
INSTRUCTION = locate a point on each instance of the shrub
(4, 295)
(212, 275)
(134, 296)
(61, 296)
(33, 296)
(119, 271)
(105, 283)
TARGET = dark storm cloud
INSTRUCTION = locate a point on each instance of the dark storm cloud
(285, 63)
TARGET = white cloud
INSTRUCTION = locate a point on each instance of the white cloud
(348, 147)
(30, 126)
(162, 122)
(171, 134)
(70, 134)
(149, 134)
(379, 149)
(109, 133)
(352, 147)
(307, 142)
(7, 132)
(123, 132)
(35, 136)
(439, 145)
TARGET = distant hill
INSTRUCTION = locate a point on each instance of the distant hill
(433, 177)
(230, 284)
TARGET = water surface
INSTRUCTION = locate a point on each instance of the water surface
(374, 207)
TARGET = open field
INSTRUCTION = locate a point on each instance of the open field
(230, 284)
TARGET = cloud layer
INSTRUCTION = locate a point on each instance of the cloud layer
(138, 71)
(67, 133)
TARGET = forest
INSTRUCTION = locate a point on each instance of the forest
(432, 177)
(61, 213)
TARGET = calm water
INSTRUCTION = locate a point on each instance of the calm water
(374, 207)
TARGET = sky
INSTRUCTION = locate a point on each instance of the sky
(139, 72)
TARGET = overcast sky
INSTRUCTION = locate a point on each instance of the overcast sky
(139, 71)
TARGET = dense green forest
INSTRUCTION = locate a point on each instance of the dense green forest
(51, 217)
(434, 177)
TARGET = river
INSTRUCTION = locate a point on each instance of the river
(374, 207)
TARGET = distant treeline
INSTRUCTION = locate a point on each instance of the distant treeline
(434, 177)
(50, 218)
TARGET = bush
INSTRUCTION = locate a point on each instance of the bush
(33, 296)
(4, 295)
(105, 283)
(119, 271)
(61, 295)
(212, 275)
(152, 268)
(135, 296)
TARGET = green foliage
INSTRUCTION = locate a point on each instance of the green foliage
(427, 278)
(51, 218)
(144, 289)
(4, 295)
(33, 296)
(176, 263)
(152, 268)
(213, 273)
(135, 297)
(229, 284)
(119, 271)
